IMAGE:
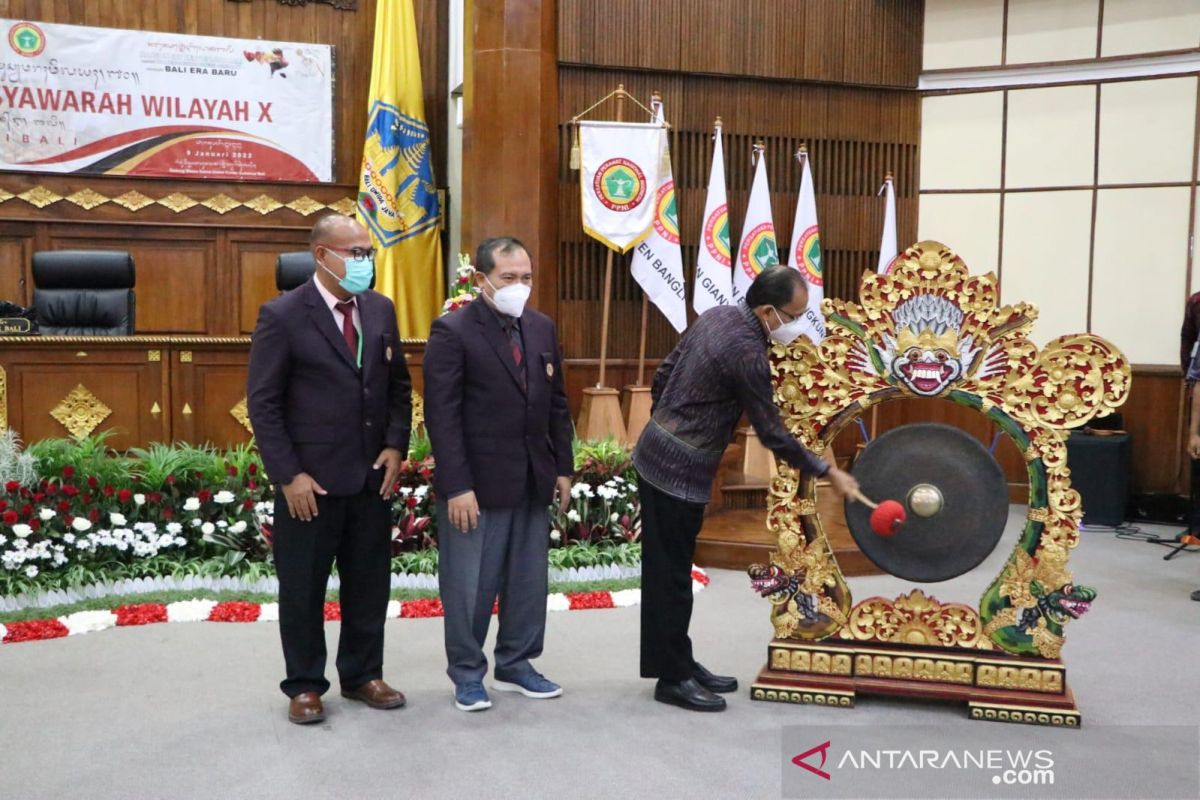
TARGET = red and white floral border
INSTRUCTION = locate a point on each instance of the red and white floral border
(238, 611)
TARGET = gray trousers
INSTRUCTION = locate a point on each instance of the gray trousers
(505, 557)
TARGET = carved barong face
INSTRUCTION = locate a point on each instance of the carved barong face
(925, 355)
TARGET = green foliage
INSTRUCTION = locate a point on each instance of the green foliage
(419, 447)
(90, 455)
(602, 554)
(16, 465)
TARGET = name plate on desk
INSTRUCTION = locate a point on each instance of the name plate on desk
(15, 326)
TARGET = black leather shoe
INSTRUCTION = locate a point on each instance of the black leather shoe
(688, 694)
(1196, 595)
(721, 684)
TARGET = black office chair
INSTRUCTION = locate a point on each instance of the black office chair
(84, 292)
(293, 269)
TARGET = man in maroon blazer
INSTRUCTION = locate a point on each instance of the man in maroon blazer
(331, 406)
(501, 433)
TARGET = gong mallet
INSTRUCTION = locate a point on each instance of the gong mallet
(886, 517)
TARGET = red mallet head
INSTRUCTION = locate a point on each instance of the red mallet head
(887, 517)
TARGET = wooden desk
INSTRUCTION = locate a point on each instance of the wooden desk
(145, 388)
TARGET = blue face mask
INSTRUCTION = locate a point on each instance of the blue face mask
(359, 273)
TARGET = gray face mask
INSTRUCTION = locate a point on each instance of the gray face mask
(787, 332)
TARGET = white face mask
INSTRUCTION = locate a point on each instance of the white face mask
(511, 299)
(787, 332)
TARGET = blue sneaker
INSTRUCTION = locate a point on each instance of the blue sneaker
(471, 697)
(531, 684)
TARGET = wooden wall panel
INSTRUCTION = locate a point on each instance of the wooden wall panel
(16, 250)
(173, 271)
(863, 42)
(252, 255)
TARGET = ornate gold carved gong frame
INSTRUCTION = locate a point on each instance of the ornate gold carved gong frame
(1003, 656)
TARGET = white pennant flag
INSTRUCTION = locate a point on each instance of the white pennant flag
(658, 261)
(887, 244)
(619, 164)
(805, 254)
(758, 249)
(713, 263)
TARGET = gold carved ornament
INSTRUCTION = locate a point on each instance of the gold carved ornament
(929, 303)
(178, 202)
(241, 413)
(80, 412)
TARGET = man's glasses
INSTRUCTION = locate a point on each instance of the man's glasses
(355, 252)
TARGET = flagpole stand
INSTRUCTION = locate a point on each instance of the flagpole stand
(635, 406)
(600, 415)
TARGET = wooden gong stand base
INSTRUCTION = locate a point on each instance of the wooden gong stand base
(995, 685)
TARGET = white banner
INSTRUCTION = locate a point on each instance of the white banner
(714, 277)
(888, 250)
(806, 252)
(658, 261)
(758, 249)
(617, 180)
(119, 102)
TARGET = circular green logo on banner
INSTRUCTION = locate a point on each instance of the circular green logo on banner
(26, 39)
(758, 250)
(716, 235)
(666, 220)
(620, 184)
(808, 257)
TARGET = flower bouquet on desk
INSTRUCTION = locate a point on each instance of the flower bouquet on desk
(462, 290)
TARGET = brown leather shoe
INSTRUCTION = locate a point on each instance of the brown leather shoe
(376, 694)
(306, 708)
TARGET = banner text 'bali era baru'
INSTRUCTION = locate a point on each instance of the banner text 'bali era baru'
(118, 102)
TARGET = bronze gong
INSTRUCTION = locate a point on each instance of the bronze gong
(953, 491)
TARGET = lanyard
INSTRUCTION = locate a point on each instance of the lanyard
(360, 338)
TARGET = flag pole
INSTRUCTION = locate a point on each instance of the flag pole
(608, 271)
(655, 97)
(888, 177)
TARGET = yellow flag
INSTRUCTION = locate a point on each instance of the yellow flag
(397, 199)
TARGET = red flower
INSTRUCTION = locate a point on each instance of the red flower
(580, 600)
(68, 519)
(154, 497)
(34, 629)
(94, 515)
(38, 497)
(109, 491)
(204, 495)
(64, 505)
(12, 486)
(411, 502)
(251, 485)
(141, 614)
(3, 504)
(168, 513)
(68, 471)
(266, 534)
(248, 504)
(25, 492)
(333, 612)
(235, 611)
(425, 472)
(426, 607)
(10, 517)
(124, 496)
(27, 510)
(252, 468)
(170, 480)
(87, 499)
(92, 482)
(35, 524)
(69, 490)
(230, 470)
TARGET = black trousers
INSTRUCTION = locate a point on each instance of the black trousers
(354, 530)
(669, 530)
(1194, 510)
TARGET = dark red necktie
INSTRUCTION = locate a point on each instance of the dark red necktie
(348, 330)
(515, 341)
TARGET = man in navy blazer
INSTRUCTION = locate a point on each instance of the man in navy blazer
(497, 417)
(331, 406)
